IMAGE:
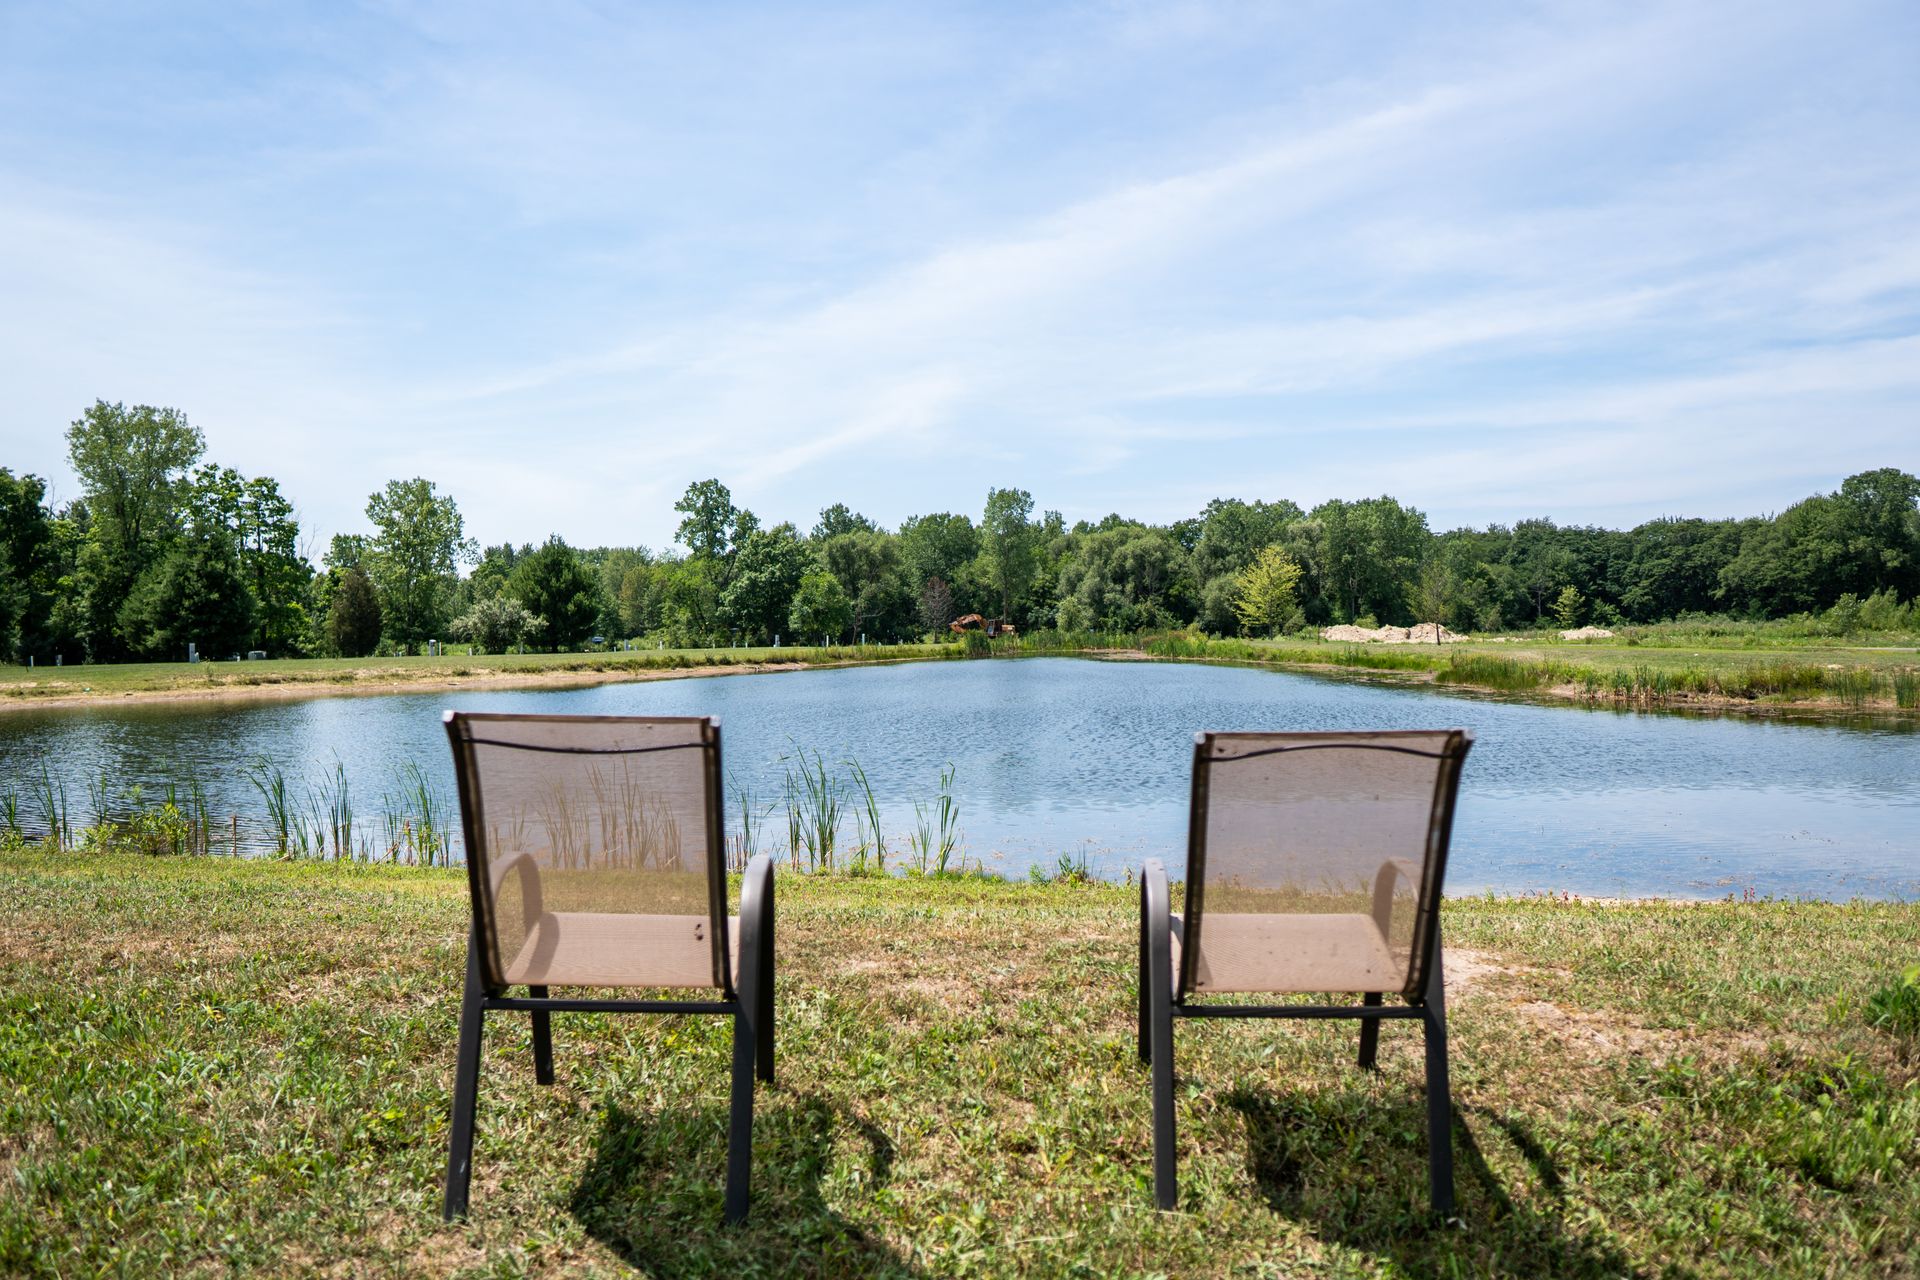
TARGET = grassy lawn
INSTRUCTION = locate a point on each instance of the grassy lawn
(209, 1065)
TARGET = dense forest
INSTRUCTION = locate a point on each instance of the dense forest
(163, 548)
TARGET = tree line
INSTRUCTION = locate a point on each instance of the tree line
(163, 548)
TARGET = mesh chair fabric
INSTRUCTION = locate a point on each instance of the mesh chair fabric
(1314, 858)
(593, 848)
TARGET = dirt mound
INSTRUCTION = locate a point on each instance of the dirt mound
(1587, 633)
(1424, 633)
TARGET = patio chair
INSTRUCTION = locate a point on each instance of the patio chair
(1314, 863)
(596, 858)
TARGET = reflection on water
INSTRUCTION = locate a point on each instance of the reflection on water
(1068, 755)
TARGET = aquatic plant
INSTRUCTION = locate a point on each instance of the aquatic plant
(1069, 868)
(330, 815)
(867, 817)
(271, 783)
(815, 799)
(937, 834)
(416, 821)
(1852, 686)
(1492, 673)
(51, 793)
(743, 846)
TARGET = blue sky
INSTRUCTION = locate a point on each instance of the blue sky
(1601, 262)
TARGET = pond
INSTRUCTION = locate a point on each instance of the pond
(1091, 759)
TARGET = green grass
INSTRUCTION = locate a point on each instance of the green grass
(1624, 670)
(209, 1066)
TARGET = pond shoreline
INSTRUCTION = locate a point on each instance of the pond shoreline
(280, 688)
(372, 679)
(1824, 709)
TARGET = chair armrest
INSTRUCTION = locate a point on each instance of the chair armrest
(1156, 923)
(756, 916)
(532, 904)
(756, 891)
(1383, 889)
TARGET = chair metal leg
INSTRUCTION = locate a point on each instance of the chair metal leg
(542, 1039)
(1439, 1094)
(1144, 1019)
(466, 1088)
(740, 1124)
(752, 1038)
(1166, 1189)
(765, 994)
(1369, 1033)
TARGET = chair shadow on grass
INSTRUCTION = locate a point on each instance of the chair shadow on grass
(652, 1192)
(1355, 1169)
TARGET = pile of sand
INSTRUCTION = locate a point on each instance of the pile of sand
(1587, 633)
(1424, 633)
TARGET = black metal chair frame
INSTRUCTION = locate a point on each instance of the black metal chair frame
(749, 1002)
(1161, 1002)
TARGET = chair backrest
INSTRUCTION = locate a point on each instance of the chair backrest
(601, 814)
(1327, 824)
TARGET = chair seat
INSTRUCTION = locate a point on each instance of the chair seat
(1290, 952)
(590, 949)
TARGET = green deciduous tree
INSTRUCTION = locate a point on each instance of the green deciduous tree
(1435, 590)
(220, 503)
(1367, 554)
(1124, 577)
(1568, 607)
(873, 573)
(1266, 593)
(838, 519)
(132, 464)
(768, 565)
(1010, 544)
(1232, 533)
(821, 610)
(26, 566)
(417, 547)
(937, 546)
(496, 625)
(710, 517)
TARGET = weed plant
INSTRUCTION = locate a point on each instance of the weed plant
(936, 833)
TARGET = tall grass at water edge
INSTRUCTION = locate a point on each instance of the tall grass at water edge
(295, 819)
(815, 802)
(1855, 688)
(317, 819)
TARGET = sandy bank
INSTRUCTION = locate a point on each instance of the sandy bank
(377, 681)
